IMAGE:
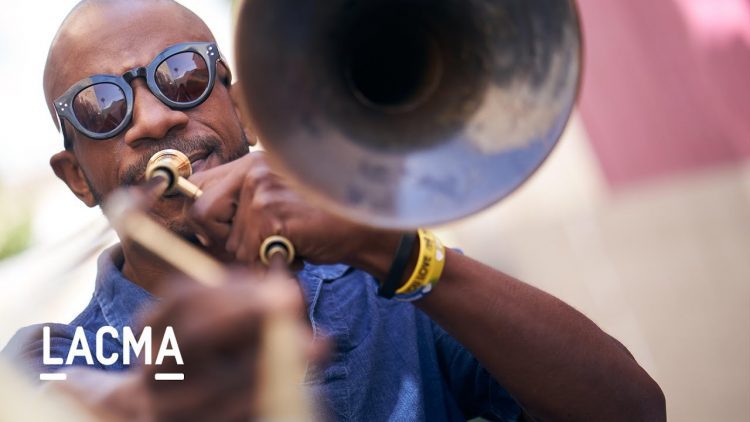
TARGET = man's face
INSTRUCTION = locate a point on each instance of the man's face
(112, 39)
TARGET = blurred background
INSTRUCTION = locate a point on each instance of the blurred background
(640, 218)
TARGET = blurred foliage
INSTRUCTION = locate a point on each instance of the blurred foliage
(15, 225)
(16, 239)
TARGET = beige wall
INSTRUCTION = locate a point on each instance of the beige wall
(664, 267)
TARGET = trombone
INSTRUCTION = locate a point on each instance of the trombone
(392, 113)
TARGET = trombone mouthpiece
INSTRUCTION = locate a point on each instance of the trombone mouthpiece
(172, 161)
(175, 167)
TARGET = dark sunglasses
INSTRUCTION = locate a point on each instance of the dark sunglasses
(101, 106)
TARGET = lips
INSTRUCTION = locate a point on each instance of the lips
(198, 165)
(199, 161)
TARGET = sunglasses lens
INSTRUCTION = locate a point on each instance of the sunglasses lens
(183, 78)
(100, 108)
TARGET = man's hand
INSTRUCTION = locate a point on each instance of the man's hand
(245, 201)
(221, 334)
(102, 395)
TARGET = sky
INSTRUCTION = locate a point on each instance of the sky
(28, 136)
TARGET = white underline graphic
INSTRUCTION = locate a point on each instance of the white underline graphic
(53, 377)
(160, 376)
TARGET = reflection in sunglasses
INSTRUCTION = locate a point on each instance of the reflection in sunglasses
(183, 77)
(101, 107)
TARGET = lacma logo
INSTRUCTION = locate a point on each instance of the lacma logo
(79, 348)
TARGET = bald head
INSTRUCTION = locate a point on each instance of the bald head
(113, 36)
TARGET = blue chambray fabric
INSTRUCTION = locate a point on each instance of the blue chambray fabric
(389, 361)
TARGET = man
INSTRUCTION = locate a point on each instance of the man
(479, 344)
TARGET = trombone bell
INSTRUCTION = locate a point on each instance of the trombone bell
(407, 113)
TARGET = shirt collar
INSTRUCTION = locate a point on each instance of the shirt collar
(119, 298)
(325, 272)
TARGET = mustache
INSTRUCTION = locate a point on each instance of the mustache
(134, 173)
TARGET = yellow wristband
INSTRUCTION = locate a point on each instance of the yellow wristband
(428, 270)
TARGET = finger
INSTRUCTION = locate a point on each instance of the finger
(223, 315)
(216, 374)
(210, 322)
(261, 216)
(247, 275)
(203, 178)
(243, 235)
(209, 398)
(109, 395)
(212, 213)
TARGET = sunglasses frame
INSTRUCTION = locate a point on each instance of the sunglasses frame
(64, 104)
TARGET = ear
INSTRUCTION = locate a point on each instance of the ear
(66, 167)
(240, 109)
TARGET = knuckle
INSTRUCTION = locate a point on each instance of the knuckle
(260, 172)
(262, 200)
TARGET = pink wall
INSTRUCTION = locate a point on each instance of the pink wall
(666, 85)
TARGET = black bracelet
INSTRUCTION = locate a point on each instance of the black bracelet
(396, 274)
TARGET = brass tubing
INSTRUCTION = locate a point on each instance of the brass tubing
(185, 187)
(282, 397)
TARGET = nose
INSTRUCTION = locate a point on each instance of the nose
(152, 119)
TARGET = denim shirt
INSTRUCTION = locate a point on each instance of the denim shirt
(388, 361)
